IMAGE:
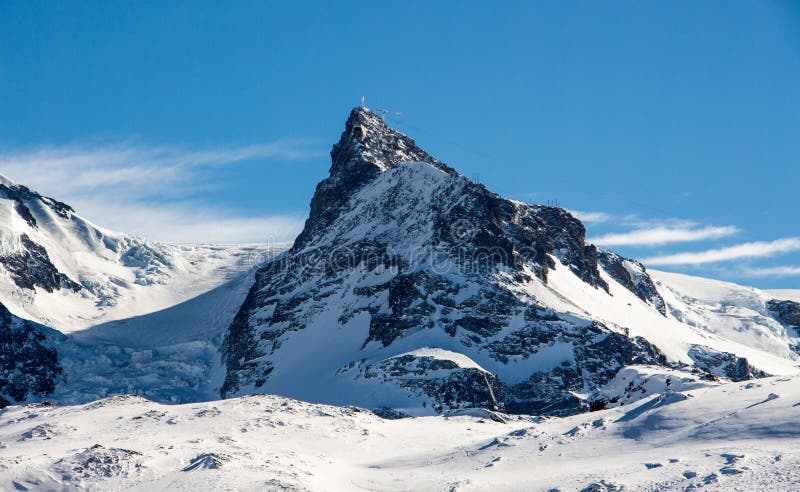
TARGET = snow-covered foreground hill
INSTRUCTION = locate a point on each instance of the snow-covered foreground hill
(736, 436)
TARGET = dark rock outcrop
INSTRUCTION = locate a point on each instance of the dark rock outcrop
(28, 361)
(597, 357)
(447, 385)
(22, 194)
(31, 267)
(787, 312)
(724, 364)
(633, 276)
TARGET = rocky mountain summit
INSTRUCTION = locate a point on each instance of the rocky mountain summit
(414, 288)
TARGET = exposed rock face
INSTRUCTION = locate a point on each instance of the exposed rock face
(207, 461)
(32, 268)
(28, 362)
(20, 194)
(724, 364)
(474, 219)
(633, 276)
(366, 149)
(401, 248)
(598, 355)
(443, 382)
(788, 314)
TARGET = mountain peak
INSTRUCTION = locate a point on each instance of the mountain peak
(366, 148)
(368, 142)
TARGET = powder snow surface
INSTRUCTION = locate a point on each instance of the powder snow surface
(737, 436)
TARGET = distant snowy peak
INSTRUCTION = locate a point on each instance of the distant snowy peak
(61, 270)
(23, 213)
(86, 312)
(758, 319)
(29, 222)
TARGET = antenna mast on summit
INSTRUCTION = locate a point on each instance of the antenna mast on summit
(362, 101)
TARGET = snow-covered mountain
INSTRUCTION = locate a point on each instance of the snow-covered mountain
(412, 290)
(415, 290)
(127, 314)
(61, 270)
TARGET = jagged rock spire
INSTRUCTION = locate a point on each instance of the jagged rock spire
(366, 148)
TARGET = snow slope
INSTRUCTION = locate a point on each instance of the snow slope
(727, 310)
(737, 436)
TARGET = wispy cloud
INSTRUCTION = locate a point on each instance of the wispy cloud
(758, 249)
(670, 232)
(83, 168)
(192, 222)
(777, 271)
(663, 235)
(591, 217)
(634, 221)
(144, 189)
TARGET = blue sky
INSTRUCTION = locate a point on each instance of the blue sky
(671, 127)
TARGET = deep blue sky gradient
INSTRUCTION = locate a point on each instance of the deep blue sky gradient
(666, 110)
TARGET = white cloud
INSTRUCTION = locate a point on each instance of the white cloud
(143, 190)
(191, 222)
(73, 169)
(777, 271)
(757, 249)
(633, 220)
(591, 217)
(663, 235)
